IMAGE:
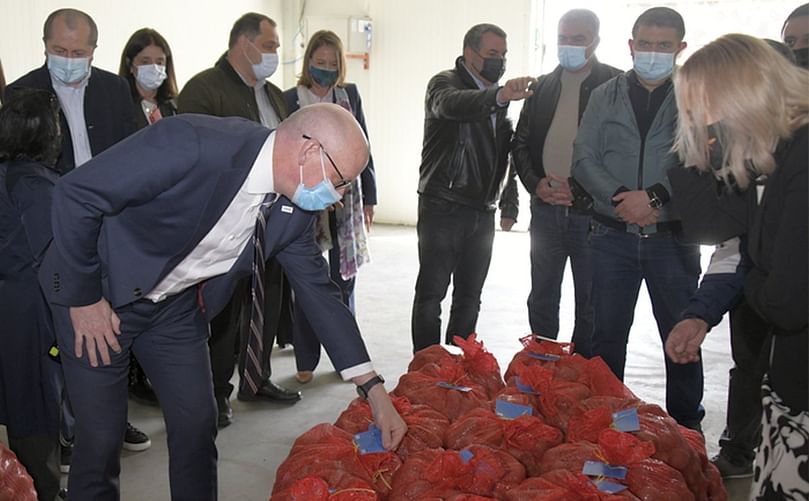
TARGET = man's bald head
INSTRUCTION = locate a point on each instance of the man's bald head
(325, 125)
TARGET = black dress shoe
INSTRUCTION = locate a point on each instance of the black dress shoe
(271, 392)
(225, 412)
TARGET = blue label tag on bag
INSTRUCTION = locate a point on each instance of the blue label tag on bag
(626, 420)
(547, 357)
(599, 469)
(510, 410)
(455, 387)
(609, 487)
(524, 388)
(369, 441)
(466, 456)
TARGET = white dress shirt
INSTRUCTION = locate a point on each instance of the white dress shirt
(220, 248)
(218, 251)
(71, 100)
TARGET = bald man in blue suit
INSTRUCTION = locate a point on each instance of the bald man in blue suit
(149, 240)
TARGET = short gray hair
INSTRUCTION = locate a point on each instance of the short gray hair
(585, 16)
(475, 33)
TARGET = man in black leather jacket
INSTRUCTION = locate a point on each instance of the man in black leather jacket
(464, 160)
(542, 155)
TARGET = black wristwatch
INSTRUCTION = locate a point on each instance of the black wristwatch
(654, 201)
(363, 389)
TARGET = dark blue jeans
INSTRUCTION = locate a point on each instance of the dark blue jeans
(170, 340)
(558, 233)
(455, 243)
(621, 261)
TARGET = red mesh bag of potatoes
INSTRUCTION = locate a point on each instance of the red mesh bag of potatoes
(526, 437)
(477, 470)
(562, 485)
(716, 489)
(479, 366)
(15, 482)
(317, 489)
(426, 427)
(646, 478)
(570, 457)
(672, 448)
(448, 390)
(434, 354)
(328, 452)
(541, 352)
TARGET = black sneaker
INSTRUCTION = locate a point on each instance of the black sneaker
(65, 451)
(135, 440)
(732, 469)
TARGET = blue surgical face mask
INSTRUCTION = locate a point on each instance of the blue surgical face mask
(653, 66)
(571, 57)
(68, 70)
(324, 78)
(318, 197)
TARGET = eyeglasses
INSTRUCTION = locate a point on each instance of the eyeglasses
(343, 181)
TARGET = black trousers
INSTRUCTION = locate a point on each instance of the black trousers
(40, 456)
(230, 327)
(455, 243)
(750, 347)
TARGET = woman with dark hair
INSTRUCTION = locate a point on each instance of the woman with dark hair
(30, 379)
(342, 228)
(148, 66)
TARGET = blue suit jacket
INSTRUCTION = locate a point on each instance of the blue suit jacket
(108, 111)
(126, 218)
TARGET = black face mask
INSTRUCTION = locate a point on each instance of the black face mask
(493, 68)
(716, 153)
(802, 57)
(716, 156)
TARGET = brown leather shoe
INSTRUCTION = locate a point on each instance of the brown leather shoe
(304, 377)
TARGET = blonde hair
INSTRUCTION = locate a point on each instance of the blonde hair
(318, 40)
(756, 95)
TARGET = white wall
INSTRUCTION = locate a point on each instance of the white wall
(414, 40)
(197, 31)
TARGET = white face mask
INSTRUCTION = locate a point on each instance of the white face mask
(68, 70)
(267, 66)
(150, 76)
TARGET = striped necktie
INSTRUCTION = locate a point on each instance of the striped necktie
(253, 367)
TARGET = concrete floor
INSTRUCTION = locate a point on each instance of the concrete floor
(252, 448)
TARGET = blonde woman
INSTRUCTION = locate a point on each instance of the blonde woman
(342, 229)
(743, 111)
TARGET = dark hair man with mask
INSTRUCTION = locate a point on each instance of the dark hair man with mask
(237, 86)
(795, 34)
(621, 155)
(542, 155)
(464, 161)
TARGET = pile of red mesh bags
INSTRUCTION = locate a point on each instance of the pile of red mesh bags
(551, 432)
(15, 483)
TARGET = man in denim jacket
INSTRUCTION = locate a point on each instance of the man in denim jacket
(621, 155)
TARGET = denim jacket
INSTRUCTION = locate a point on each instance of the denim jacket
(609, 153)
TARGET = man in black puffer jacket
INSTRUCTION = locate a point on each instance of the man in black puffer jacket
(464, 160)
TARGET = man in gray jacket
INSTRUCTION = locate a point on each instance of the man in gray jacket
(621, 155)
